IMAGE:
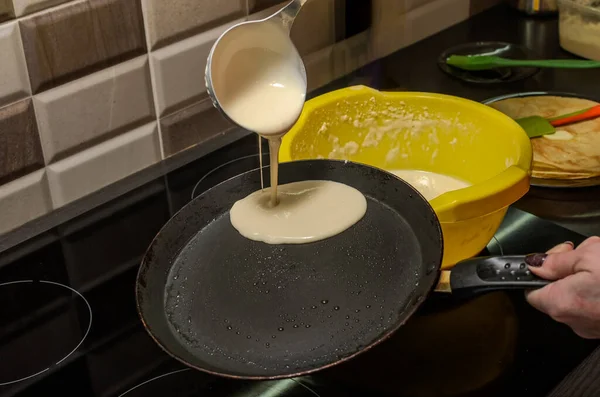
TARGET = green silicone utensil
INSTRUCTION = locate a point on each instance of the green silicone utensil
(484, 62)
(536, 126)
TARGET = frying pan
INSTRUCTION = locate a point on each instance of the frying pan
(238, 308)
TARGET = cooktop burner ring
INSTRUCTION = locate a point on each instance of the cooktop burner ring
(208, 383)
(152, 380)
(234, 171)
(70, 353)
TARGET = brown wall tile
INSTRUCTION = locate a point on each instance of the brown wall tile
(65, 42)
(170, 20)
(6, 10)
(20, 149)
(14, 81)
(192, 125)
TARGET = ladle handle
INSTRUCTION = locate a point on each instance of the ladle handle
(289, 13)
(488, 274)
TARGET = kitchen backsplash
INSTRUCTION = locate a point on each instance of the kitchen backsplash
(92, 91)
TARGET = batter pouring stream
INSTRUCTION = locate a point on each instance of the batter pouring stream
(263, 91)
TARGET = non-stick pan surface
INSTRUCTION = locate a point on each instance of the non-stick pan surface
(230, 306)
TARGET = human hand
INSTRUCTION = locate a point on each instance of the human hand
(573, 298)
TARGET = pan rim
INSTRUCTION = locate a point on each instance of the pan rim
(386, 335)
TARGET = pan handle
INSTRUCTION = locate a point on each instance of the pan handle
(487, 274)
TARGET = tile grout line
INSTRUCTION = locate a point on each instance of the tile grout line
(143, 8)
(48, 9)
(31, 97)
(29, 93)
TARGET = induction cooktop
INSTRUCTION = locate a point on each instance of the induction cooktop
(68, 321)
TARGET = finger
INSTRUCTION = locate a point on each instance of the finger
(541, 299)
(589, 242)
(585, 331)
(547, 300)
(554, 266)
(564, 247)
(558, 299)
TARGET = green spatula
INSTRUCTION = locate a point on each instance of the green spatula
(536, 126)
(484, 62)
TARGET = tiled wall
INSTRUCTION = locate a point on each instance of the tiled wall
(92, 91)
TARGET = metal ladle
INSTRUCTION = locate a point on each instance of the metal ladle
(278, 26)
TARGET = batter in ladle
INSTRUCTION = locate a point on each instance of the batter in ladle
(263, 91)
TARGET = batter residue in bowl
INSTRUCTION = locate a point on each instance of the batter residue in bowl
(430, 184)
(307, 211)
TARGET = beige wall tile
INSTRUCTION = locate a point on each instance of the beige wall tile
(191, 126)
(64, 43)
(478, 6)
(23, 7)
(167, 21)
(397, 24)
(351, 54)
(14, 81)
(266, 12)
(103, 164)
(319, 68)
(23, 200)
(313, 34)
(388, 30)
(413, 4)
(314, 27)
(260, 5)
(96, 107)
(435, 17)
(178, 70)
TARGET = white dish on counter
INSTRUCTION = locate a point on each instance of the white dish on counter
(579, 27)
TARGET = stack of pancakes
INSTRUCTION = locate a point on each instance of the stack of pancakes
(575, 158)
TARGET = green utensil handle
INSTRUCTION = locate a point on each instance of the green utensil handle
(551, 63)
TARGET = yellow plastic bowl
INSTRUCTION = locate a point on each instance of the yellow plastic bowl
(429, 132)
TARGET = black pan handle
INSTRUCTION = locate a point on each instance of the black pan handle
(487, 274)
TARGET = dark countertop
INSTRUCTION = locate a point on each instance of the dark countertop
(415, 69)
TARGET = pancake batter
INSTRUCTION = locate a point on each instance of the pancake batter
(263, 90)
(430, 184)
(307, 211)
(261, 87)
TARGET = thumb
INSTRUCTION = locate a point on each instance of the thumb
(557, 299)
(541, 298)
(553, 266)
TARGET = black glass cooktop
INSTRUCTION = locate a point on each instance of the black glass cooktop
(68, 323)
